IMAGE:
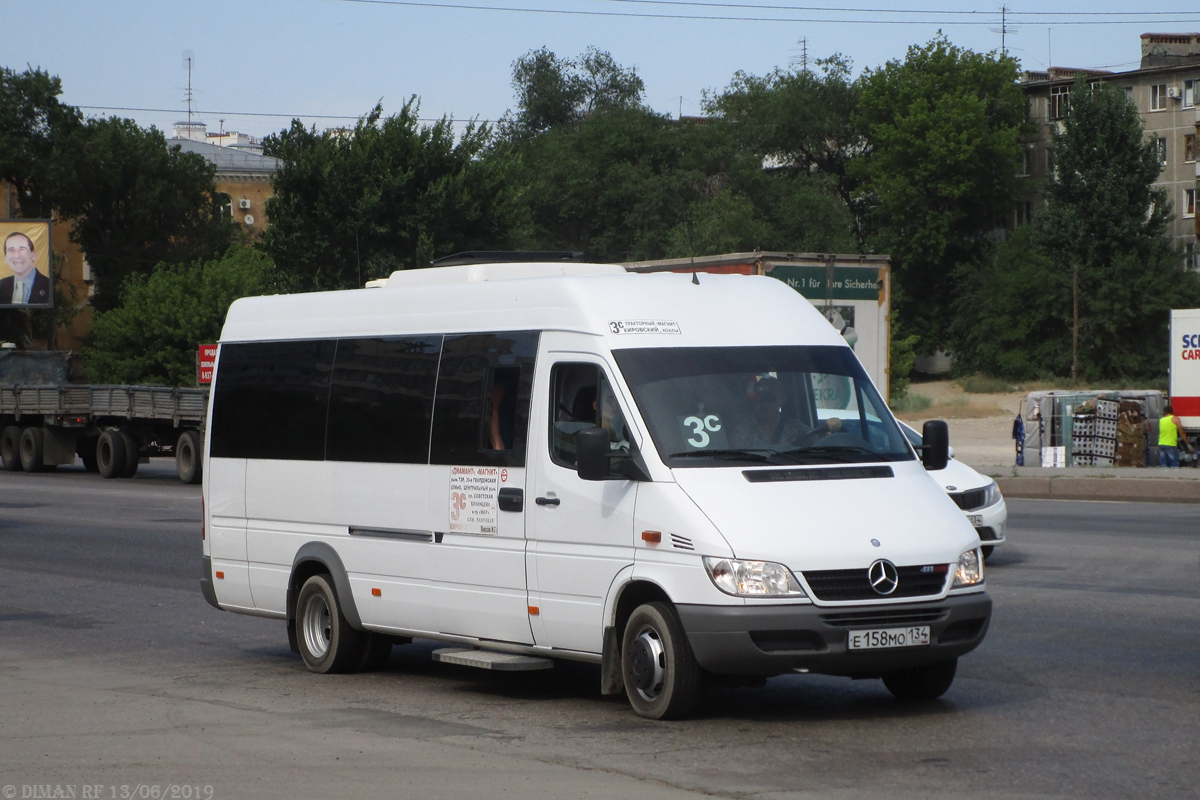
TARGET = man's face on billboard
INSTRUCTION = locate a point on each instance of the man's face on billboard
(18, 254)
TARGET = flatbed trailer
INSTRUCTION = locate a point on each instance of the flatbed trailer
(111, 428)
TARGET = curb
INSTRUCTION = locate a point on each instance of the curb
(1146, 490)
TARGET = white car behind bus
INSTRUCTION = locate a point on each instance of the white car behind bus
(977, 495)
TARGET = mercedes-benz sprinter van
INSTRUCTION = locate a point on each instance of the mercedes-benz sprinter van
(668, 475)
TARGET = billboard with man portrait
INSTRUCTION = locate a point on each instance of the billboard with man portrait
(26, 280)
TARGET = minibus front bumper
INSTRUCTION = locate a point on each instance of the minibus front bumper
(765, 640)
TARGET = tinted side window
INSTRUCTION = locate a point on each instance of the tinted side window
(478, 375)
(381, 401)
(271, 400)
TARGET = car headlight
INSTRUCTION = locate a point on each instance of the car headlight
(991, 495)
(752, 578)
(970, 569)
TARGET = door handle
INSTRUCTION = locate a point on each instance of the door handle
(547, 501)
(510, 499)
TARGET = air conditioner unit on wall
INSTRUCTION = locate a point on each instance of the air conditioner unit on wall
(1173, 92)
(243, 203)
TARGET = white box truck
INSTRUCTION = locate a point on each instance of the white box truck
(1185, 367)
(662, 475)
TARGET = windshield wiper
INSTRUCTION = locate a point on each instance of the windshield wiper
(744, 455)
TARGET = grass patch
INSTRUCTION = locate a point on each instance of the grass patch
(985, 384)
(911, 403)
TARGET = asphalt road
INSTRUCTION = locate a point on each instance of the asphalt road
(118, 680)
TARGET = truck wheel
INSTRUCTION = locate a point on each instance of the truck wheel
(921, 683)
(86, 448)
(10, 448)
(131, 455)
(188, 461)
(110, 454)
(660, 671)
(327, 642)
(33, 444)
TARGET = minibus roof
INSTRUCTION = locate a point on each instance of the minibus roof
(627, 309)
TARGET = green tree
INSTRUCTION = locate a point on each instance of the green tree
(1104, 230)
(804, 124)
(133, 202)
(391, 194)
(1019, 321)
(939, 166)
(554, 92)
(33, 125)
(153, 335)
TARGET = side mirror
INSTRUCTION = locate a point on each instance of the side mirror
(593, 451)
(936, 452)
(594, 457)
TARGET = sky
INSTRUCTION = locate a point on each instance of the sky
(257, 64)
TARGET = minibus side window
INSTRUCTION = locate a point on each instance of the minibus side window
(582, 397)
(381, 399)
(271, 400)
(476, 370)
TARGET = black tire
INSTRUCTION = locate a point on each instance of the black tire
(188, 458)
(922, 683)
(110, 454)
(131, 455)
(376, 652)
(987, 551)
(10, 448)
(33, 449)
(662, 679)
(327, 642)
(86, 448)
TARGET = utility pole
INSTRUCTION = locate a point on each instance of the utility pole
(188, 58)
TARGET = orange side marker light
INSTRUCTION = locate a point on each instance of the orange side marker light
(653, 537)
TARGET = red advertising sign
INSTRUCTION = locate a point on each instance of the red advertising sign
(206, 359)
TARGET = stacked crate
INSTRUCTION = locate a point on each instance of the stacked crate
(1131, 434)
(1094, 434)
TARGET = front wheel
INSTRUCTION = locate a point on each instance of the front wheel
(662, 678)
(922, 683)
(327, 642)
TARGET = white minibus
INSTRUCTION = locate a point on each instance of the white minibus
(671, 476)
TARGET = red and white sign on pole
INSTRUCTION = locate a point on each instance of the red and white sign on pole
(206, 359)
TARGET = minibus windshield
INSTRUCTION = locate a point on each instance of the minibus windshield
(739, 406)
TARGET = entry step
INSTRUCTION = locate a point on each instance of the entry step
(490, 659)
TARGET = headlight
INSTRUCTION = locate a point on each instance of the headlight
(991, 495)
(752, 578)
(970, 569)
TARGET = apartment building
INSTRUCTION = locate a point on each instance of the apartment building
(1165, 87)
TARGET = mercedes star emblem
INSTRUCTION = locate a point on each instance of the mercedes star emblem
(883, 576)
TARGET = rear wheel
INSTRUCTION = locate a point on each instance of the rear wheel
(131, 455)
(327, 642)
(661, 676)
(10, 448)
(110, 454)
(922, 683)
(987, 551)
(187, 457)
(33, 447)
